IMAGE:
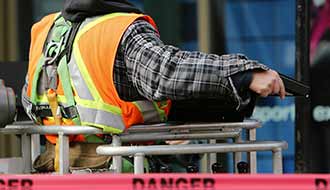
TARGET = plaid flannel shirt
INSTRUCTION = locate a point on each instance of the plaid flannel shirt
(146, 68)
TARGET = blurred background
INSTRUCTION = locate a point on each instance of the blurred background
(261, 29)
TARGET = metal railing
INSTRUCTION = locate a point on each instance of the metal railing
(31, 141)
(139, 152)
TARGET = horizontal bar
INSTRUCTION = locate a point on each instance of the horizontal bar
(74, 130)
(248, 124)
(167, 136)
(191, 148)
(37, 129)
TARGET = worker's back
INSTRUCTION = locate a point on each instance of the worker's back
(70, 79)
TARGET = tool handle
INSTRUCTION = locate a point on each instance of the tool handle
(294, 87)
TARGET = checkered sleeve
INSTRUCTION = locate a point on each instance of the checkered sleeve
(161, 71)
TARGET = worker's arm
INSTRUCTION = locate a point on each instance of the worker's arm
(161, 71)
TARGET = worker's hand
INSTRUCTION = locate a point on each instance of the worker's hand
(267, 83)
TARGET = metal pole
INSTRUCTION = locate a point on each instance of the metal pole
(277, 161)
(237, 155)
(204, 25)
(303, 105)
(139, 151)
(212, 156)
(26, 152)
(116, 160)
(205, 163)
(138, 163)
(252, 156)
(35, 146)
(64, 162)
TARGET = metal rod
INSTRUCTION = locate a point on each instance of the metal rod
(204, 25)
(237, 155)
(277, 161)
(212, 157)
(64, 162)
(275, 146)
(205, 163)
(252, 156)
(139, 163)
(190, 148)
(35, 146)
(26, 153)
(248, 124)
(74, 130)
(52, 130)
(168, 136)
(117, 160)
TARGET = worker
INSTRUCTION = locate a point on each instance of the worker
(102, 63)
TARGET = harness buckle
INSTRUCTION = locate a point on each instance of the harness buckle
(50, 59)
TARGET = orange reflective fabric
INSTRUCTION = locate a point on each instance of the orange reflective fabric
(53, 138)
(98, 47)
(38, 37)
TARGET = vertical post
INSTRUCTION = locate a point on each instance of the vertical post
(237, 155)
(116, 160)
(8, 33)
(35, 146)
(277, 161)
(63, 153)
(208, 159)
(252, 156)
(204, 25)
(3, 16)
(205, 162)
(138, 163)
(303, 106)
(26, 152)
(212, 157)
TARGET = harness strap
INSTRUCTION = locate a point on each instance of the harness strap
(45, 111)
(68, 46)
(61, 60)
(57, 57)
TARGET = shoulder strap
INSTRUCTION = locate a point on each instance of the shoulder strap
(68, 46)
(68, 34)
(56, 53)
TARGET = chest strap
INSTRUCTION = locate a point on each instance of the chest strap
(45, 111)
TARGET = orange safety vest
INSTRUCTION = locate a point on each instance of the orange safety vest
(90, 78)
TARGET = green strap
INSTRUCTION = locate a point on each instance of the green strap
(65, 79)
(162, 115)
(93, 139)
(34, 94)
(76, 121)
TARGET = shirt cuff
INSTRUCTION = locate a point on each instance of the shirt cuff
(242, 82)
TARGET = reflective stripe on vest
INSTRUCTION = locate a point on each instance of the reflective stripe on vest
(92, 109)
(91, 114)
(149, 111)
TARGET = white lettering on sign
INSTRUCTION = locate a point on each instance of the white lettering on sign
(275, 113)
(321, 113)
